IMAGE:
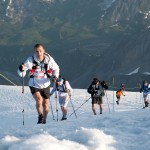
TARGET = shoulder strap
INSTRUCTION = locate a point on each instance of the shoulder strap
(47, 59)
(34, 63)
(46, 62)
(64, 85)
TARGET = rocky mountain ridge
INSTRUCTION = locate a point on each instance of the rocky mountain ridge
(108, 38)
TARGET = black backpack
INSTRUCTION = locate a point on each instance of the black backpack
(90, 89)
(104, 85)
(64, 85)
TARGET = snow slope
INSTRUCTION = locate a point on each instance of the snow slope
(125, 128)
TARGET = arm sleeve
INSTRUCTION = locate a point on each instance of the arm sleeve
(68, 86)
(28, 65)
(123, 93)
(54, 67)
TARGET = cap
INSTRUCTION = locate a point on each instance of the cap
(96, 79)
(59, 79)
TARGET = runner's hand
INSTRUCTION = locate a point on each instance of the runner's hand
(22, 67)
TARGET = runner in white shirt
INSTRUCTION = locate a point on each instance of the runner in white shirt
(41, 67)
(64, 93)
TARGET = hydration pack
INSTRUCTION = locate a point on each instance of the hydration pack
(90, 89)
(43, 67)
(63, 86)
(104, 85)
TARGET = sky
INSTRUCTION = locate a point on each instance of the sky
(125, 127)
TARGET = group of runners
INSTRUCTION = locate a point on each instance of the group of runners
(41, 67)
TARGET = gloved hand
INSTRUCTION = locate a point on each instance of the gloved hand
(54, 78)
(141, 90)
(22, 67)
(32, 72)
(49, 72)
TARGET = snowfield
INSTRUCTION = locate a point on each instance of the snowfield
(125, 127)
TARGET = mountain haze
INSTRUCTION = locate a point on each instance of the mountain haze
(101, 38)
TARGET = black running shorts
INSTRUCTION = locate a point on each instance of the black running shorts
(97, 100)
(118, 97)
(45, 92)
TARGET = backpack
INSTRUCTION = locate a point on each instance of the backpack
(63, 86)
(90, 89)
(104, 85)
(35, 65)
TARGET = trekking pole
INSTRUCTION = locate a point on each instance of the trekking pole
(22, 83)
(51, 109)
(23, 93)
(80, 106)
(107, 101)
(143, 102)
(141, 96)
(73, 107)
(7, 79)
(113, 94)
(56, 97)
(23, 116)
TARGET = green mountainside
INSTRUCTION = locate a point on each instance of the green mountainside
(105, 39)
